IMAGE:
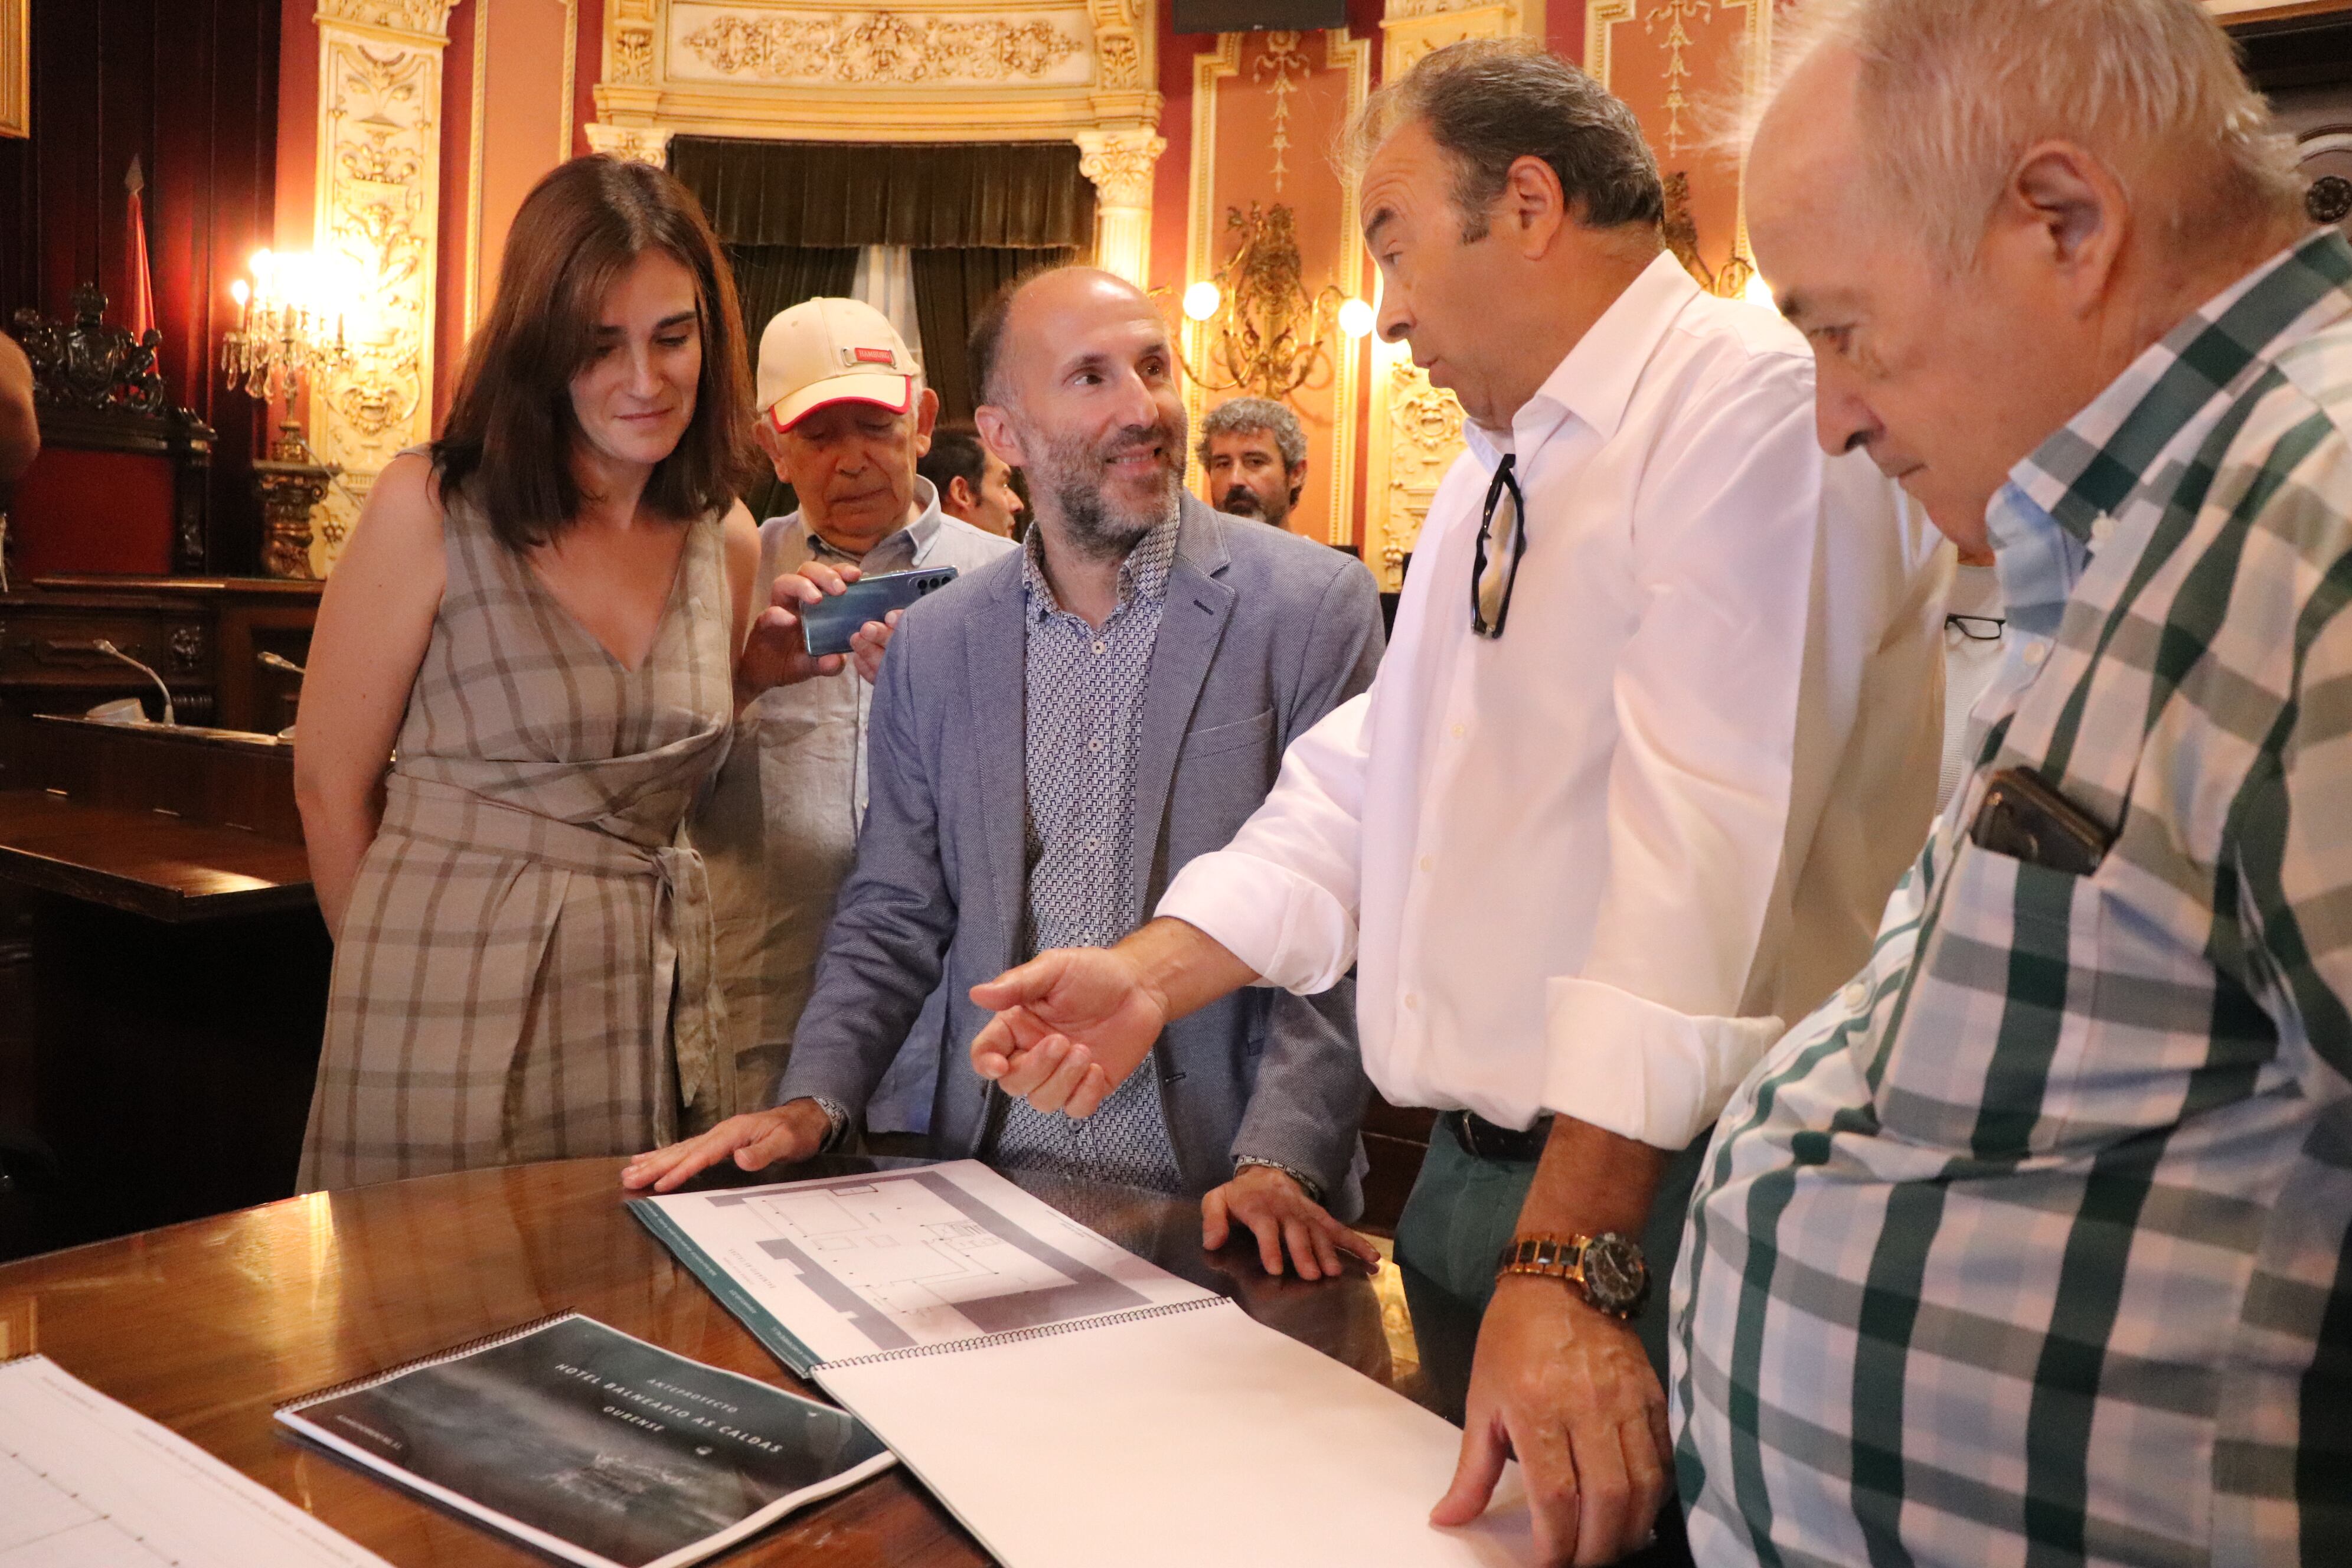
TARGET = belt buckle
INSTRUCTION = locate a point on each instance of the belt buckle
(1465, 1132)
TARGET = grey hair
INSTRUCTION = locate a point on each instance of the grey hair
(1952, 92)
(1248, 415)
(1489, 103)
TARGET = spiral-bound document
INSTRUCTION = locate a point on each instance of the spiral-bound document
(1072, 1404)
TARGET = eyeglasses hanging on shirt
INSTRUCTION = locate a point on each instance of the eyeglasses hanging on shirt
(1976, 628)
(1491, 581)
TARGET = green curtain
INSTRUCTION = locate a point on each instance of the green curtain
(951, 287)
(1027, 195)
(774, 277)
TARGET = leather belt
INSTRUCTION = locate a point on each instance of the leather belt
(1483, 1140)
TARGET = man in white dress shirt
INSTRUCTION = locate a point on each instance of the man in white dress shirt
(845, 416)
(1632, 788)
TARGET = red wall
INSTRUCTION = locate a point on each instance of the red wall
(191, 87)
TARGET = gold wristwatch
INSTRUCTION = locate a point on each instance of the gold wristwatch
(1608, 1270)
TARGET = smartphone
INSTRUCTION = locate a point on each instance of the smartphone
(833, 620)
(2023, 817)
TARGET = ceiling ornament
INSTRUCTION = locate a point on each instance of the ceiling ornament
(882, 48)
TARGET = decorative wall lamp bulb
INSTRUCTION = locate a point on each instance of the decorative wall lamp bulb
(290, 324)
(1356, 318)
(1201, 300)
(1758, 292)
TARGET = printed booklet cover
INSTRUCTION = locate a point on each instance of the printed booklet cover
(595, 1445)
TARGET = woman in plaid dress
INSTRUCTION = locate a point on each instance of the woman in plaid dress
(553, 617)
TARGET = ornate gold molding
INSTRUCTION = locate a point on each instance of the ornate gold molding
(570, 79)
(478, 112)
(378, 213)
(16, 67)
(638, 144)
(421, 18)
(885, 47)
(919, 71)
(1601, 17)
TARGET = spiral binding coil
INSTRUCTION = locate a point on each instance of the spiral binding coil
(456, 1352)
(1015, 1336)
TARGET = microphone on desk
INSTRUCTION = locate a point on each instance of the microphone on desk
(280, 661)
(110, 651)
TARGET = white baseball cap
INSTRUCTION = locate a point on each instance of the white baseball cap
(831, 350)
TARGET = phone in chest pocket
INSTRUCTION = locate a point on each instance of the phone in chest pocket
(2024, 819)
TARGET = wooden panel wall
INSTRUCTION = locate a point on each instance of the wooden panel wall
(191, 87)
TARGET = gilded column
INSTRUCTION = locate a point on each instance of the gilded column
(1120, 163)
(377, 223)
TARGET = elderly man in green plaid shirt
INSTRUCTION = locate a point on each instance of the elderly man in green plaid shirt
(2035, 1245)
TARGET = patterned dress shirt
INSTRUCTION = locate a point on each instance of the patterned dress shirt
(1085, 691)
(2032, 1247)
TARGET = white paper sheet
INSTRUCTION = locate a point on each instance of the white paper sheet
(1189, 1437)
(87, 1482)
(855, 1265)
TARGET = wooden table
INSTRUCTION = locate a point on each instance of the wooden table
(206, 1326)
(145, 862)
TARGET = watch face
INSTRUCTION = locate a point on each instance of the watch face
(1616, 1280)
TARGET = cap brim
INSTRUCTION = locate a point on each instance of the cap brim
(887, 390)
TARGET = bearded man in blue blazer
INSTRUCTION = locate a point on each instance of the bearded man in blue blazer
(1053, 736)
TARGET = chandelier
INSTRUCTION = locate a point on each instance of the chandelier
(1263, 332)
(290, 325)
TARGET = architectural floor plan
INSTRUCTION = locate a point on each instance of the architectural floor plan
(855, 1265)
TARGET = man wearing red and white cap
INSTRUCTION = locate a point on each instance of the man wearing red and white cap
(844, 414)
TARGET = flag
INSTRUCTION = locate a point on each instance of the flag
(140, 308)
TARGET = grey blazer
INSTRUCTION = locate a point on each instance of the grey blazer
(1264, 633)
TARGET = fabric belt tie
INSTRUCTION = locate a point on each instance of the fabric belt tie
(432, 812)
(1484, 1139)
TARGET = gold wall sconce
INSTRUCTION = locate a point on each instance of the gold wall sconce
(1257, 328)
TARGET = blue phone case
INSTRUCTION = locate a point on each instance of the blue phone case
(831, 621)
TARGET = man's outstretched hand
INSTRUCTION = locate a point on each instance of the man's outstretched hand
(788, 1133)
(1570, 1392)
(1070, 1026)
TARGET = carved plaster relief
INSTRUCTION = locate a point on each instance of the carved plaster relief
(913, 71)
(638, 144)
(877, 48)
(378, 213)
(1120, 163)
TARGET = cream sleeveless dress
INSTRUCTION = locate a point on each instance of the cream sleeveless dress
(525, 967)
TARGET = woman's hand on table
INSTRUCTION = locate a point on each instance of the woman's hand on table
(775, 653)
(1275, 1209)
(786, 1133)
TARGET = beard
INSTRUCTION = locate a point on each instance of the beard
(1075, 473)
